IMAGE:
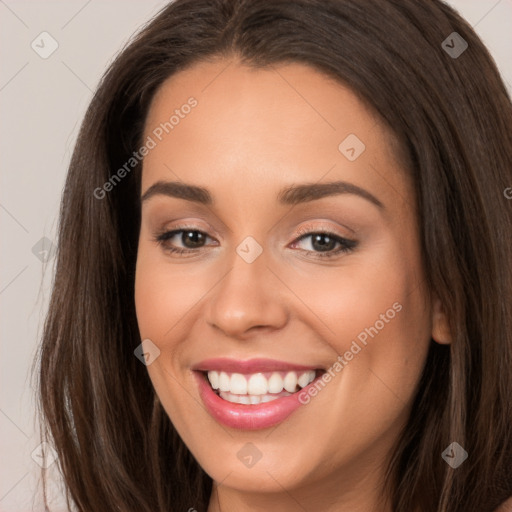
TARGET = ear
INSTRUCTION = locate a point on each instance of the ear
(440, 327)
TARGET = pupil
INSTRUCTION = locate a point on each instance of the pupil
(194, 236)
(323, 247)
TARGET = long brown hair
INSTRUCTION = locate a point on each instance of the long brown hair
(452, 115)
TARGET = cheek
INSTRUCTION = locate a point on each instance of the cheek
(164, 294)
(373, 314)
(377, 323)
(367, 294)
(163, 298)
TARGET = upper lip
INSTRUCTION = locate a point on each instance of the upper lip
(249, 365)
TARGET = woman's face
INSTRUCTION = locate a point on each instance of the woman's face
(262, 299)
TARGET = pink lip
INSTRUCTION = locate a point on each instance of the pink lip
(241, 416)
(246, 417)
(224, 364)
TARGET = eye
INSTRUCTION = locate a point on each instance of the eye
(191, 238)
(323, 243)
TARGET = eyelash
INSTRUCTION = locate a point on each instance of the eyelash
(347, 245)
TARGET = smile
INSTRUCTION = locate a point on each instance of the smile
(258, 388)
(252, 394)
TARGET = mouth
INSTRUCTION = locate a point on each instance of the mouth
(261, 387)
(254, 394)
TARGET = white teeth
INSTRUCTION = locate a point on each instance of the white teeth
(238, 384)
(275, 383)
(224, 381)
(257, 385)
(214, 379)
(290, 382)
(254, 399)
(250, 399)
(244, 399)
(306, 378)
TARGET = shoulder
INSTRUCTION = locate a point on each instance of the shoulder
(506, 506)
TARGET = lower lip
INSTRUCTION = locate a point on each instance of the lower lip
(247, 417)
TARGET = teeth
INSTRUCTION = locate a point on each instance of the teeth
(275, 383)
(257, 385)
(305, 379)
(224, 382)
(238, 384)
(244, 399)
(214, 379)
(290, 382)
(250, 399)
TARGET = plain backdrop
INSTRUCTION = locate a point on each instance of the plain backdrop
(42, 102)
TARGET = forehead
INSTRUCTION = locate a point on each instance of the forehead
(253, 128)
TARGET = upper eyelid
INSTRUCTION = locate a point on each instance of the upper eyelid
(301, 231)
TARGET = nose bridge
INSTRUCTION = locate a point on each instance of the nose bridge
(248, 295)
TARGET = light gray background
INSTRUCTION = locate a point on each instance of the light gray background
(42, 103)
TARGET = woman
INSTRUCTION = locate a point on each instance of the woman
(283, 278)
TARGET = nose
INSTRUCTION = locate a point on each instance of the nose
(247, 300)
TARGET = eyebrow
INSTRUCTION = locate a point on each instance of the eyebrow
(292, 195)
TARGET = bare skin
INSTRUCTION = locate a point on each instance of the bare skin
(253, 133)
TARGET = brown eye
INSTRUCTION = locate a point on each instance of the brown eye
(322, 244)
(190, 239)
